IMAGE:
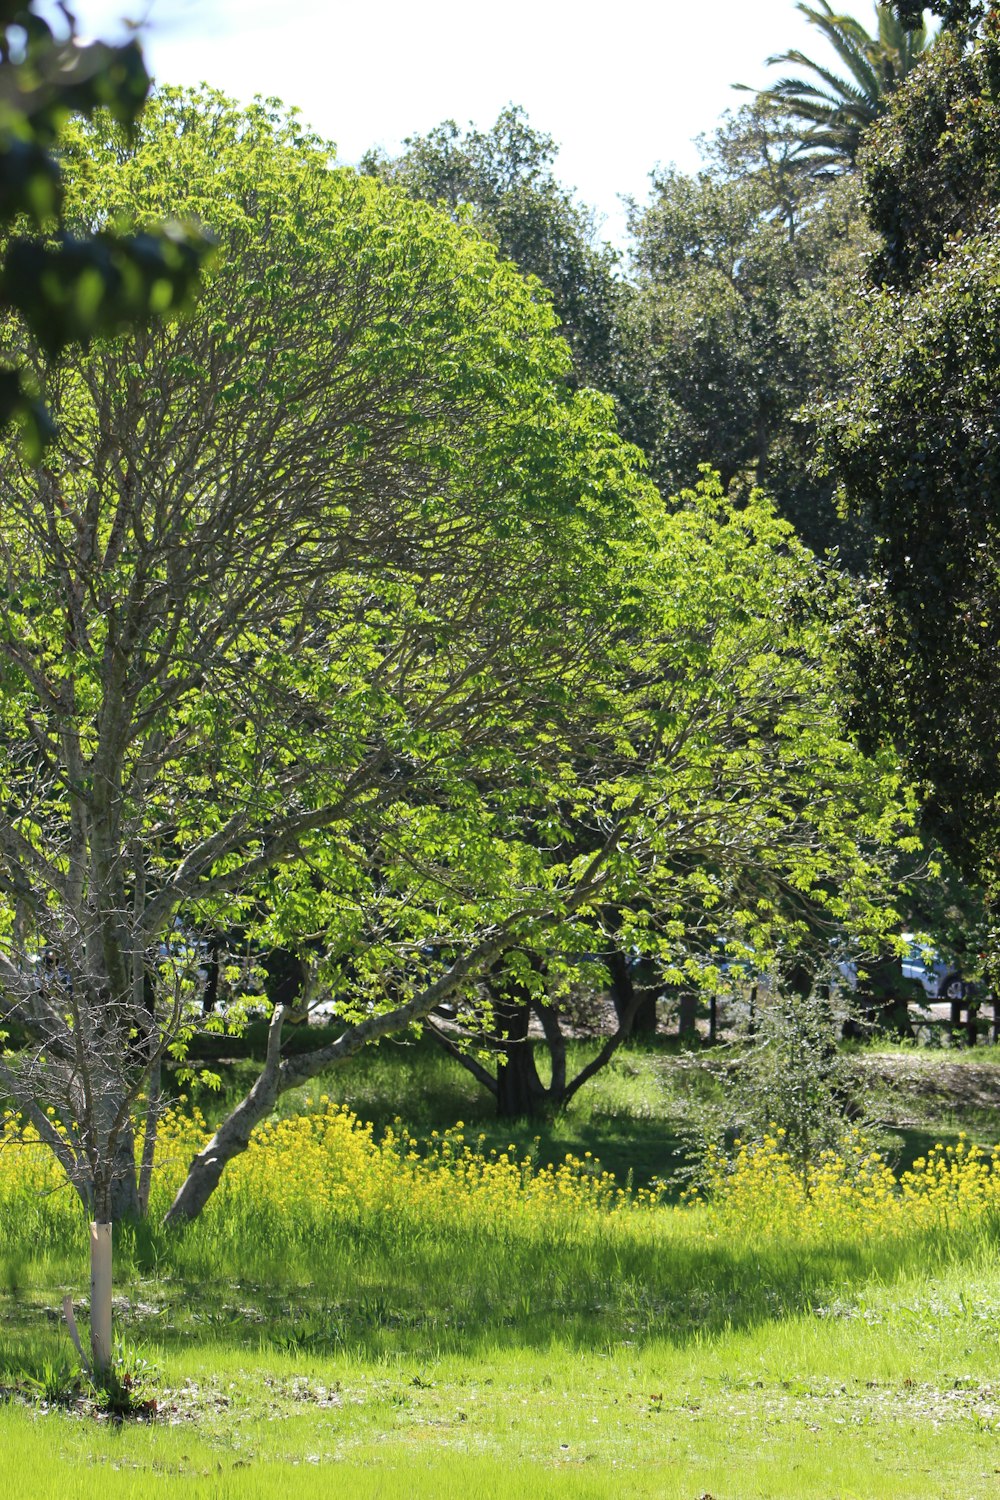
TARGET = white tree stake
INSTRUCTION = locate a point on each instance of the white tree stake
(100, 1297)
(73, 1332)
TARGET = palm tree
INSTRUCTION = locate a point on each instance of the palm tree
(833, 112)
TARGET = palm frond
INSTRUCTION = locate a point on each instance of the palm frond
(840, 108)
(839, 88)
(850, 41)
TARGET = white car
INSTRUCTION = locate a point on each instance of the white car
(922, 964)
(939, 979)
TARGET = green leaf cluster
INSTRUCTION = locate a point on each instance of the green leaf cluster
(67, 287)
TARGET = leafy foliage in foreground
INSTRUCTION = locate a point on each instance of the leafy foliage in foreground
(65, 285)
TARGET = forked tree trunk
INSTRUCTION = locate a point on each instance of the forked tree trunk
(516, 1086)
(638, 1002)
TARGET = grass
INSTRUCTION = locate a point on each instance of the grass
(889, 1394)
(396, 1325)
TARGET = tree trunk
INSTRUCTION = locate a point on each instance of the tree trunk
(624, 994)
(231, 1139)
(686, 1025)
(882, 1004)
(149, 1138)
(125, 1202)
(897, 1019)
(520, 1092)
(115, 1188)
(124, 1188)
(286, 982)
(972, 1022)
(233, 1135)
(210, 994)
(556, 1043)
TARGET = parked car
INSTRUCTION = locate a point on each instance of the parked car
(921, 964)
(939, 977)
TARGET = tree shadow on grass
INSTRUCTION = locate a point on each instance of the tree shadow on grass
(451, 1298)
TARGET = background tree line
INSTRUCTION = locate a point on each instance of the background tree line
(844, 212)
(727, 313)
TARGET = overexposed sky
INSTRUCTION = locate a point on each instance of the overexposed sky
(620, 86)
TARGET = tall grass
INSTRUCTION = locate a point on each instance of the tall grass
(395, 1241)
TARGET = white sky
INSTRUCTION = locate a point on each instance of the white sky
(621, 87)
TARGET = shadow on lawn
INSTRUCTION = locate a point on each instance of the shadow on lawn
(447, 1298)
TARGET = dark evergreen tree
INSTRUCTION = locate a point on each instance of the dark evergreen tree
(916, 442)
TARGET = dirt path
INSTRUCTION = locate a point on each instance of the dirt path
(932, 1078)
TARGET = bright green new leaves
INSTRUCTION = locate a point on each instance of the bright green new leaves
(304, 576)
(502, 180)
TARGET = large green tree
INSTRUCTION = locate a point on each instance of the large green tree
(291, 566)
(335, 617)
(916, 440)
(502, 180)
(744, 277)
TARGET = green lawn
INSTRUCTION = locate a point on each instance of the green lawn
(386, 1360)
(889, 1392)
